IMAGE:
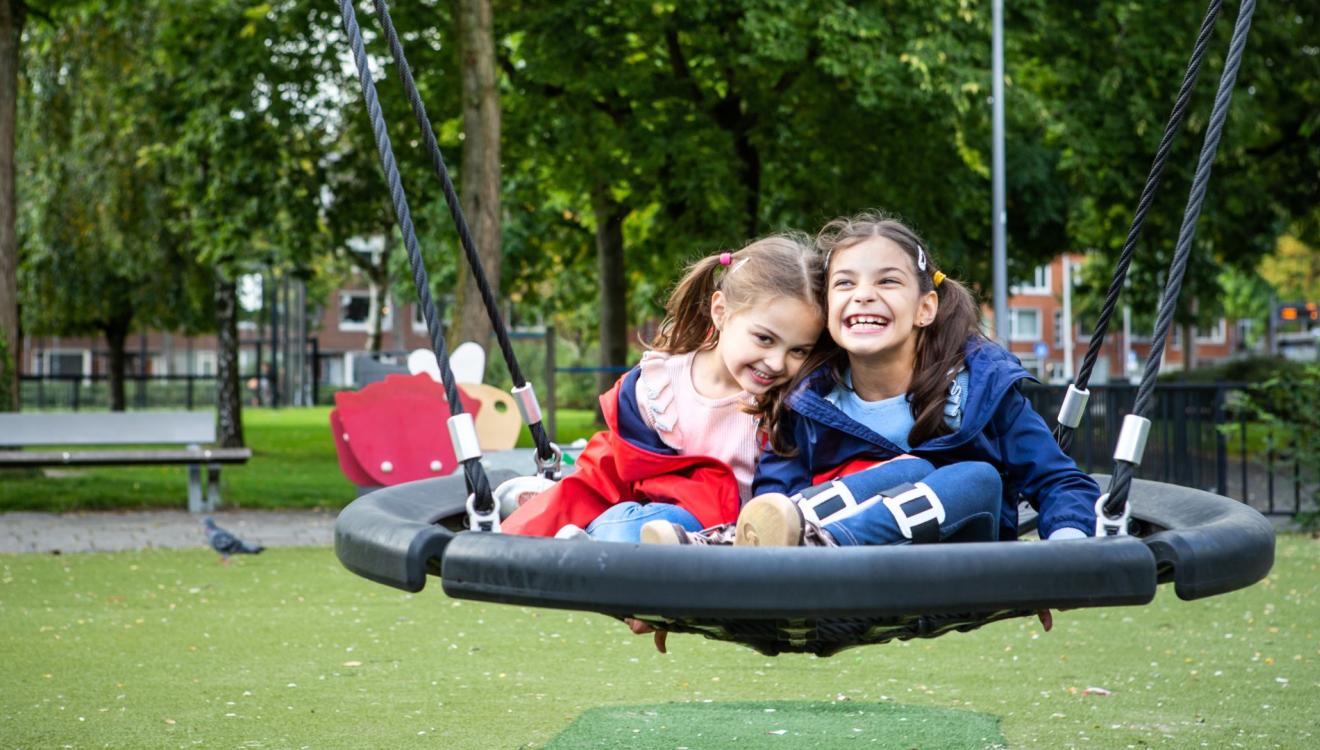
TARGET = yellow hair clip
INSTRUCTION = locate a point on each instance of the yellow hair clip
(938, 277)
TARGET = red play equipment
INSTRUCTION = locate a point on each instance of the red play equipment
(394, 430)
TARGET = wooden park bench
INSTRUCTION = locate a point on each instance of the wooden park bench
(189, 429)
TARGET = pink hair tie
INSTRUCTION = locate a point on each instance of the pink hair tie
(726, 258)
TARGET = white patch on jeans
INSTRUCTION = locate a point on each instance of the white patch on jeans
(919, 491)
(833, 503)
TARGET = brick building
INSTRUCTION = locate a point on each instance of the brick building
(1037, 332)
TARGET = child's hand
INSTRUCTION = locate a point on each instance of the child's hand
(641, 628)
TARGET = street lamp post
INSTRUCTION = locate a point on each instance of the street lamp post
(999, 217)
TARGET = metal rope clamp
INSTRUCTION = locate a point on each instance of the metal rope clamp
(525, 396)
(1073, 407)
(467, 447)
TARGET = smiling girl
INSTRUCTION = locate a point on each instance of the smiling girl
(683, 439)
(910, 377)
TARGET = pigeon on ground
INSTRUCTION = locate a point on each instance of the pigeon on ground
(226, 543)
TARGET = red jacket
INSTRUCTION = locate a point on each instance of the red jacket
(613, 469)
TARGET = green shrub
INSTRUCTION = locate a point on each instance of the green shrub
(1290, 401)
(1252, 369)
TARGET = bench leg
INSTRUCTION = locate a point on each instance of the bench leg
(195, 489)
(212, 487)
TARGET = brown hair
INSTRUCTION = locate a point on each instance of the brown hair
(778, 266)
(940, 345)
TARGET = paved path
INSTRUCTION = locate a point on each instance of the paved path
(110, 531)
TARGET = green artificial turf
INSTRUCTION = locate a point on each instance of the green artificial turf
(819, 725)
(293, 466)
(287, 650)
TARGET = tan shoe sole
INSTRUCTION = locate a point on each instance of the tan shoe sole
(660, 532)
(769, 521)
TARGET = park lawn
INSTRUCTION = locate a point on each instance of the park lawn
(293, 466)
(166, 648)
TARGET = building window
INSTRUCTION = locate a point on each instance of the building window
(1024, 324)
(1058, 330)
(354, 308)
(67, 362)
(1038, 284)
(1215, 333)
(205, 362)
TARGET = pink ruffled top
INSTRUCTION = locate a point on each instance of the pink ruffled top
(693, 424)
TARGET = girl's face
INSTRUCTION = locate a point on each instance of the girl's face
(765, 344)
(875, 302)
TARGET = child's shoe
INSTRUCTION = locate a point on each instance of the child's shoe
(668, 532)
(573, 532)
(774, 520)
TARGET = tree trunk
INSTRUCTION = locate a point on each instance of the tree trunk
(613, 283)
(12, 16)
(375, 303)
(116, 342)
(228, 401)
(749, 160)
(480, 172)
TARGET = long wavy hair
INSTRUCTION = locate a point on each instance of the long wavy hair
(940, 346)
(780, 266)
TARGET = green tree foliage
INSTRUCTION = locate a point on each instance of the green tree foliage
(1104, 76)
(99, 256)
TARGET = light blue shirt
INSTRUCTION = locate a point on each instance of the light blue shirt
(891, 418)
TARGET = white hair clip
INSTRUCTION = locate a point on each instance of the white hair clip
(739, 264)
(921, 258)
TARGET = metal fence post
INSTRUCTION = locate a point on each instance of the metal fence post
(1221, 445)
(551, 426)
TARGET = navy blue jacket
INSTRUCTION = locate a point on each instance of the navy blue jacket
(998, 427)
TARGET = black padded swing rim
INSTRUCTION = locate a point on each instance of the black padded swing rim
(391, 536)
(1208, 543)
(1205, 543)
(793, 583)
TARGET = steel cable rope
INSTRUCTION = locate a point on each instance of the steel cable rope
(473, 472)
(1123, 470)
(539, 436)
(1062, 432)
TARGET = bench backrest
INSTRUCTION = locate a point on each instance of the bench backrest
(107, 428)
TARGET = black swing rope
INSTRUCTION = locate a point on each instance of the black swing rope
(539, 437)
(475, 475)
(1063, 433)
(1123, 470)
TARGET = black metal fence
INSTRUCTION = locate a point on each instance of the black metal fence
(1201, 436)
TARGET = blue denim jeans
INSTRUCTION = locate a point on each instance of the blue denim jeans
(623, 522)
(969, 495)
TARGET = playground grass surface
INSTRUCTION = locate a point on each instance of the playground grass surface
(293, 465)
(166, 648)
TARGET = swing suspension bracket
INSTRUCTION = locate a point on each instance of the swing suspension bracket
(1106, 525)
(478, 520)
(551, 468)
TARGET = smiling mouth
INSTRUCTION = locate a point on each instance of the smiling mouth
(865, 323)
(762, 377)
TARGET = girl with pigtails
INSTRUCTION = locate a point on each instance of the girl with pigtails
(682, 438)
(908, 425)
